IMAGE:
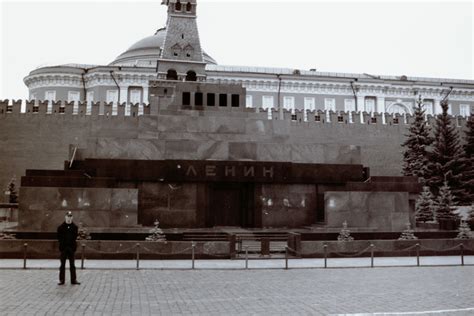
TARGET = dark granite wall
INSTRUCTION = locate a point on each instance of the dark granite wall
(378, 211)
(286, 205)
(43, 209)
(174, 205)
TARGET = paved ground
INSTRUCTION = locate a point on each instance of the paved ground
(445, 290)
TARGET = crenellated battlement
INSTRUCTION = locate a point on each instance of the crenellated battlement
(34, 107)
(94, 109)
(351, 118)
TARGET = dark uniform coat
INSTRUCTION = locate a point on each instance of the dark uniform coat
(67, 235)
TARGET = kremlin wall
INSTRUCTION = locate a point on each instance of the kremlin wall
(38, 140)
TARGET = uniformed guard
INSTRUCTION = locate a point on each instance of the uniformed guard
(67, 235)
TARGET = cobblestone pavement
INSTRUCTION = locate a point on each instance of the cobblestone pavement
(240, 292)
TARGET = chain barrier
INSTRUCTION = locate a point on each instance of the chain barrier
(440, 250)
(345, 255)
(467, 248)
(405, 249)
(111, 252)
(139, 248)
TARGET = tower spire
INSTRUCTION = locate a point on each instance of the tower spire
(182, 53)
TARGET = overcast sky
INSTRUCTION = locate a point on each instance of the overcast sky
(424, 38)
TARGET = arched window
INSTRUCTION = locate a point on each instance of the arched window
(172, 75)
(189, 7)
(177, 6)
(191, 76)
(398, 108)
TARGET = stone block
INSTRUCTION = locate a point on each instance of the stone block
(274, 152)
(181, 149)
(242, 151)
(213, 150)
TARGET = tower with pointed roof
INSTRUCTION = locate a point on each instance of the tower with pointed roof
(181, 57)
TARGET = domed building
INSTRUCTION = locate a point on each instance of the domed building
(126, 79)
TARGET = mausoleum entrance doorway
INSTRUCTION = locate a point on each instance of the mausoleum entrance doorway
(230, 204)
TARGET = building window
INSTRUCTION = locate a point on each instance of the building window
(267, 102)
(294, 117)
(112, 96)
(90, 99)
(330, 104)
(50, 96)
(211, 99)
(235, 100)
(177, 6)
(172, 74)
(198, 99)
(9, 108)
(428, 107)
(317, 118)
(191, 76)
(62, 109)
(135, 96)
(370, 105)
(188, 7)
(249, 101)
(73, 96)
(373, 120)
(396, 121)
(309, 104)
(349, 105)
(289, 103)
(35, 109)
(465, 110)
(186, 98)
(223, 100)
(340, 119)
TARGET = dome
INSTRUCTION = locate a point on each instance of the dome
(146, 51)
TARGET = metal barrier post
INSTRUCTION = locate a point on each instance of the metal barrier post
(325, 255)
(25, 249)
(192, 253)
(83, 246)
(246, 258)
(462, 254)
(286, 258)
(417, 255)
(138, 256)
(372, 255)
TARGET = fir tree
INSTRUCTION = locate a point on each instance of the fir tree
(156, 233)
(424, 206)
(83, 233)
(415, 157)
(464, 231)
(444, 204)
(13, 195)
(467, 178)
(446, 163)
(470, 215)
(345, 234)
(408, 234)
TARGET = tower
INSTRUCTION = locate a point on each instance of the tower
(181, 57)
